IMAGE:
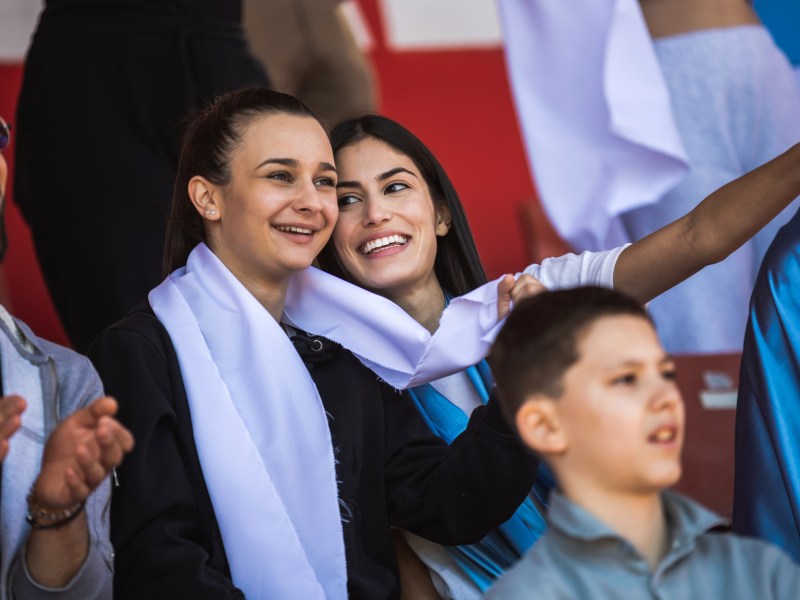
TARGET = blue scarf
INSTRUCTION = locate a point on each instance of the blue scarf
(488, 559)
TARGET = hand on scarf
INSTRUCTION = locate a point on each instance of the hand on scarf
(80, 453)
(511, 290)
(11, 408)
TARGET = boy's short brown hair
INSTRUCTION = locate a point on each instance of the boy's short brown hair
(539, 340)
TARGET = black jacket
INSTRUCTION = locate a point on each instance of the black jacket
(392, 471)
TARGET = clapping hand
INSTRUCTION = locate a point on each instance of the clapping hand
(80, 453)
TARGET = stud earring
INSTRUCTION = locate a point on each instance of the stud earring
(211, 211)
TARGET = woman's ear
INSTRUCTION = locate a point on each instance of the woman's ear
(443, 219)
(539, 426)
(202, 195)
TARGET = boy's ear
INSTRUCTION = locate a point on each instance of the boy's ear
(539, 426)
(202, 194)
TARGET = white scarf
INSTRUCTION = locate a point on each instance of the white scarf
(261, 434)
(386, 338)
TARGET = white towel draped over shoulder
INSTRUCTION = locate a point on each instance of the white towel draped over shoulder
(261, 434)
(386, 338)
(402, 352)
(594, 110)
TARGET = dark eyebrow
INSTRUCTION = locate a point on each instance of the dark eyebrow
(381, 177)
(286, 162)
(290, 162)
(393, 172)
(348, 184)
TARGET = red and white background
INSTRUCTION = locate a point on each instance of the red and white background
(439, 70)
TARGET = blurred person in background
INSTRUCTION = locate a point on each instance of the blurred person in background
(656, 103)
(106, 83)
(309, 51)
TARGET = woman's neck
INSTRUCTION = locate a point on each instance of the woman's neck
(271, 295)
(268, 288)
(425, 303)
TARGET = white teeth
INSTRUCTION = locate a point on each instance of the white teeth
(293, 229)
(389, 240)
(664, 435)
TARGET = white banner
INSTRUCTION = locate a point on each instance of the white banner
(440, 24)
(594, 111)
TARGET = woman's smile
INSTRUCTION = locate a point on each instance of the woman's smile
(384, 245)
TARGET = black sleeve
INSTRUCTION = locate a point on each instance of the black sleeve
(163, 528)
(459, 494)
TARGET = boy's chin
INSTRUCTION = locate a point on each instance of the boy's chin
(665, 479)
(654, 480)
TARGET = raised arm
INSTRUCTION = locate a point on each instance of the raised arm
(719, 225)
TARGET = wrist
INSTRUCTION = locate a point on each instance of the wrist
(46, 517)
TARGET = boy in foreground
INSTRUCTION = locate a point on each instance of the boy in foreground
(585, 380)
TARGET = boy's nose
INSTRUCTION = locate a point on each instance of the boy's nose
(667, 396)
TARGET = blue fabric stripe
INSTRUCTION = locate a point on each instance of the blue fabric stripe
(485, 561)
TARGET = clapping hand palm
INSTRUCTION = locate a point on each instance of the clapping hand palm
(80, 453)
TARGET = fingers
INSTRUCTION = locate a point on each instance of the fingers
(89, 415)
(8, 426)
(510, 290)
(103, 451)
(109, 429)
(81, 452)
(504, 288)
(11, 405)
(102, 407)
(505, 285)
(526, 286)
(94, 459)
(114, 441)
(11, 408)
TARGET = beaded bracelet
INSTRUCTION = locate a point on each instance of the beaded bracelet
(40, 517)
